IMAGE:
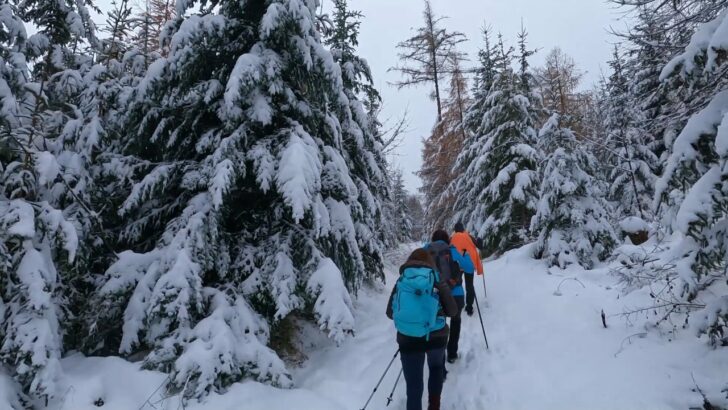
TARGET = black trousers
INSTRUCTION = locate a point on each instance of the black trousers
(413, 370)
(469, 290)
(452, 343)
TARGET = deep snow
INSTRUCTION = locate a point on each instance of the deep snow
(548, 350)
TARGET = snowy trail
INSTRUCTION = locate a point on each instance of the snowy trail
(546, 352)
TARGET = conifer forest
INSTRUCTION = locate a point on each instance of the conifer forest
(213, 198)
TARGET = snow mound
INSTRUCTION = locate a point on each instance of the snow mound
(634, 224)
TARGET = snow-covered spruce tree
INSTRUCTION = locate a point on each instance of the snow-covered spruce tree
(362, 140)
(40, 180)
(440, 152)
(416, 212)
(485, 73)
(399, 221)
(253, 199)
(45, 182)
(667, 104)
(632, 176)
(497, 189)
(698, 169)
(572, 217)
(107, 86)
(649, 51)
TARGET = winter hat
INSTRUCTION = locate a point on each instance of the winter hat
(459, 227)
(422, 256)
(440, 235)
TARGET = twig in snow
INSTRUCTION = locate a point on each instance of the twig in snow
(604, 319)
(558, 288)
(153, 393)
(628, 339)
(706, 404)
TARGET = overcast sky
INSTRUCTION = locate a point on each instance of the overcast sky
(579, 27)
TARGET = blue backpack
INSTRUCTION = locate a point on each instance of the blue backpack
(416, 303)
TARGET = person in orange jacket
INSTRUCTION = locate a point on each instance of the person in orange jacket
(463, 242)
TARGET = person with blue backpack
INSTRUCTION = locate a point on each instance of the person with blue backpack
(419, 303)
(451, 264)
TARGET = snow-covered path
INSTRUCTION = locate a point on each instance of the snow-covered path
(546, 352)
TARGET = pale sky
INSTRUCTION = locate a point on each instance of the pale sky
(579, 27)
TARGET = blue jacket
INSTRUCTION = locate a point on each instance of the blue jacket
(466, 265)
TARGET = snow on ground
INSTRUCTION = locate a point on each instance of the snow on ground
(548, 350)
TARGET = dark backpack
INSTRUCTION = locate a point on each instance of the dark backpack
(447, 267)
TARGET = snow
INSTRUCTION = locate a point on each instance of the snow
(713, 312)
(247, 70)
(225, 344)
(20, 217)
(721, 139)
(146, 187)
(700, 124)
(224, 176)
(283, 281)
(333, 304)
(698, 204)
(299, 172)
(633, 224)
(548, 350)
(47, 167)
(271, 19)
(706, 37)
(9, 393)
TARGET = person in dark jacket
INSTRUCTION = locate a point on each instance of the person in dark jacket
(414, 350)
(463, 263)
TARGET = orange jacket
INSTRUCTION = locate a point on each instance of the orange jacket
(462, 242)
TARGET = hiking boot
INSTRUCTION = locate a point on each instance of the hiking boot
(452, 359)
(469, 310)
(434, 403)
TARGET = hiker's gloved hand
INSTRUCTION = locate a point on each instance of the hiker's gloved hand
(469, 310)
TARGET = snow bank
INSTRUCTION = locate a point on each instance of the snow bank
(111, 383)
(9, 397)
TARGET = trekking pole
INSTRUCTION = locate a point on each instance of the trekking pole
(380, 380)
(482, 326)
(485, 291)
(389, 399)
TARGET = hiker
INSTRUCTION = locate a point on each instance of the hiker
(464, 243)
(418, 305)
(451, 265)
